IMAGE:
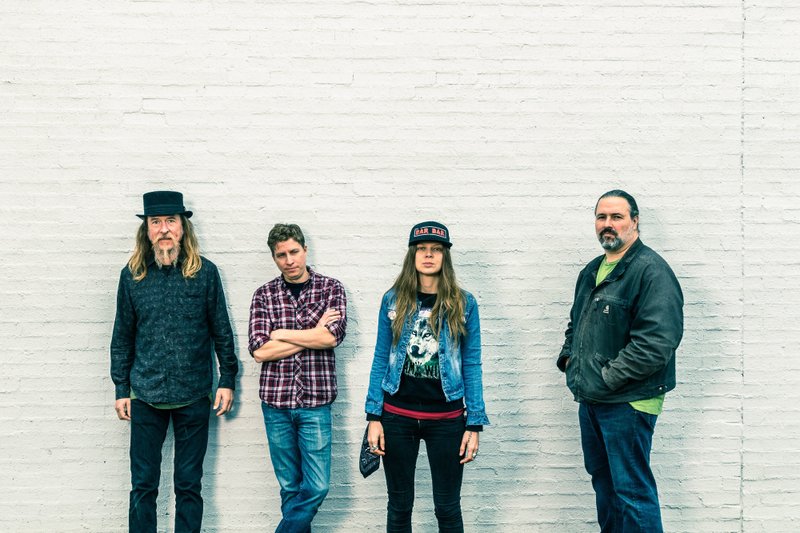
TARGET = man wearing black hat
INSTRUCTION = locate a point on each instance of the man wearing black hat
(171, 315)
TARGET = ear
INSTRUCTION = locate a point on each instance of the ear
(636, 223)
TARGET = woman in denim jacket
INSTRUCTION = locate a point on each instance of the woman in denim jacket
(426, 382)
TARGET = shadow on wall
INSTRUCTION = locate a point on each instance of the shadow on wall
(211, 511)
(337, 507)
(701, 420)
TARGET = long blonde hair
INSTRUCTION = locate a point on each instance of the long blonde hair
(190, 251)
(449, 299)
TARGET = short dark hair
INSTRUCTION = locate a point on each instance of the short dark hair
(284, 232)
(619, 193)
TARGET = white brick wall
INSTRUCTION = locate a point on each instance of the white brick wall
(770, 276)
(355, 120)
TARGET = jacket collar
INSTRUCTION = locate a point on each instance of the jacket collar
(626, 260)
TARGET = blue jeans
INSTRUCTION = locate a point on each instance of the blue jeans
(616, 441)
(148, 431)
(442, 442)
(300, 448)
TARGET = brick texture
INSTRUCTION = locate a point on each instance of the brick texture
(505, 120)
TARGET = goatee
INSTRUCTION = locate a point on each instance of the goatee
(166, 257)
(612, 245)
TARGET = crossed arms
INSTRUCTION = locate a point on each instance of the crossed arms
(287, 342)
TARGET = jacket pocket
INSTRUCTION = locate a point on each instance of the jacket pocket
(569, 372)
(612, 310)
(595, 385)
(193, 305)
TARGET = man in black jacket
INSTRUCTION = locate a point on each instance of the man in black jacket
(171, 317)
(619, 357)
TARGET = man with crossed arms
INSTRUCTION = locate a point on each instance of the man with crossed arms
(295, 322)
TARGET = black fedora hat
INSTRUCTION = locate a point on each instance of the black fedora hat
(163, 203)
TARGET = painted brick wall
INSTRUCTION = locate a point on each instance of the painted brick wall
(355, 120)
(771, 278)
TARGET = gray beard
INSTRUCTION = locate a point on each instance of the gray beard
(613, 246)
(166, 257)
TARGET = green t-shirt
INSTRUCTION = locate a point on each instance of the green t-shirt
(654, 405)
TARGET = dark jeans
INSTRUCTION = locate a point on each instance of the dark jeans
(442, 441)
(616, 440)
(148, 431)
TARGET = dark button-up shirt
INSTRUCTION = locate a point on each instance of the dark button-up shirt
(307, 378)
(165, 332)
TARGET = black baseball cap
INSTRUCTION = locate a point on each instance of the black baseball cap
(430, 231)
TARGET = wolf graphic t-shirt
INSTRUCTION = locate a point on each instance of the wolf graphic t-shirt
(421, 382)
(422, 355)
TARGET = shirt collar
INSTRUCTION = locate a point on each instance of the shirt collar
(310, 280)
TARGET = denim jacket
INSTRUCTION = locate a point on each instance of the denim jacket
(460, 366)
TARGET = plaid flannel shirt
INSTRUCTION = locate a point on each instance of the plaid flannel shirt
(307, 378)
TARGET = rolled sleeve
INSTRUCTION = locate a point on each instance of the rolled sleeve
(260, 328)
(380, 360)
(338, 301)
(473, 372)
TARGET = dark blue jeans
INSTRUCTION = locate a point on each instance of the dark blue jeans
(442, 442)
(300, 449)
(616, 441)
(148, 431)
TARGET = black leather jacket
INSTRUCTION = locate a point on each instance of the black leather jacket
(622, 334)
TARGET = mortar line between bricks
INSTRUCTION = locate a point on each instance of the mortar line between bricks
(742, 258)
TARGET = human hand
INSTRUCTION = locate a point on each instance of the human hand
(469, 446)
(223, 401)
(123, 408)
(375, 438)
(329, 317)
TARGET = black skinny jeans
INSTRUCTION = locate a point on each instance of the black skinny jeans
(442, 441)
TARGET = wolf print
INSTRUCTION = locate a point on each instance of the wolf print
(422, 356)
